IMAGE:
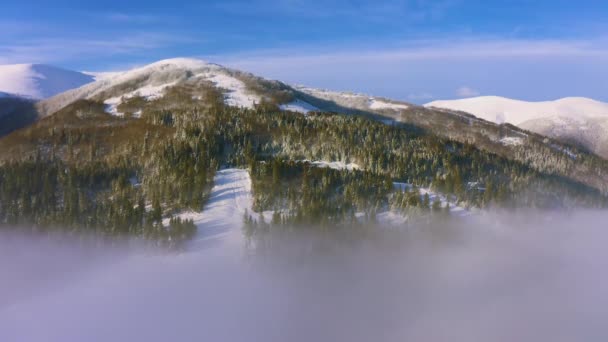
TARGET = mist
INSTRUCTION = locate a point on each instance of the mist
(490, 277)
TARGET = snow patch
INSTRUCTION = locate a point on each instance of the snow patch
(567, 151)
(354, 100)
(237, 94)
(148, 92)
(336, 165)
(299, 106)
(454, 209)
(512, 141)
(379, 105)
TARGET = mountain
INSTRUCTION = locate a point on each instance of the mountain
(241, 89)
(576, 120)
(129, 152)
(149, 82)
(39, 81)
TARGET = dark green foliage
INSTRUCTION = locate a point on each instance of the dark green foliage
(82, 168)
(300, 193)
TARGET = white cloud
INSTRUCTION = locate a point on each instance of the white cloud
(465, 91)
(437, 49)
(57, 50)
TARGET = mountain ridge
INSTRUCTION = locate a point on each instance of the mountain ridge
(570, 119)
(39, 81)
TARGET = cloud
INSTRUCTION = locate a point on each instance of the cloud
(438, 49)
(465, 91)
(49, 50)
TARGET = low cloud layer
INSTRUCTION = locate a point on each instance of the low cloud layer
(491, 278)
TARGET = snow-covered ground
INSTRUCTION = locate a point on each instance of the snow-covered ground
(355, 100)
(299, 106)
(39, 81)
(224, 213)
(237, 94)
(377, 104)
(148, 92)
(512, 141)
(393, 217)
(336, 165)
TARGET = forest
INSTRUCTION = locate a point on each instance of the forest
(83, 169)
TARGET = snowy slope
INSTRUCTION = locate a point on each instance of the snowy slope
(222, 216)
(575, 120)
(356, 101)
(150, 82)
(504, 110)
(39, 81)
(299, 106)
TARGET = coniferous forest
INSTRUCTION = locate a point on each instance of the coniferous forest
(83, 169)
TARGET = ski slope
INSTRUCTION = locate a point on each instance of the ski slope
(223, 215)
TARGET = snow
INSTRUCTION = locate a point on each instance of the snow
(230, 199)
(379, 105)
(354, 100)
(111, 106)
(152, 79)
(336, 165)
(299, 106)
(454, 209)
(503, 110)
(575, 119)
(39, 81)
(147, 92)
(512, 141)
(237, 94)
(566, 151)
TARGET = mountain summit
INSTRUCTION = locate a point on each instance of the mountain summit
(39, 81)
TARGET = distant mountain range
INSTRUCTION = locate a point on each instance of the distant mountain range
(576, 120)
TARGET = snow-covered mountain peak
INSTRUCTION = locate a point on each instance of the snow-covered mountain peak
(181, 62)
(150, 81)
(577, 120)
(504, 110)
(39, 81)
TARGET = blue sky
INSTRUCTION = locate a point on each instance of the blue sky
(414, 50)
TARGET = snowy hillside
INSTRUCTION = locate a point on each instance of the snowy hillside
(576, 120)
(39, 81)
(504, 110)
(349, 100)
(222, 217)
(150, 82)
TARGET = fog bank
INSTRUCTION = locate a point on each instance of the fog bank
(495, 277)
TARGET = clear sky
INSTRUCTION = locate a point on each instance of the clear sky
(413, 50)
